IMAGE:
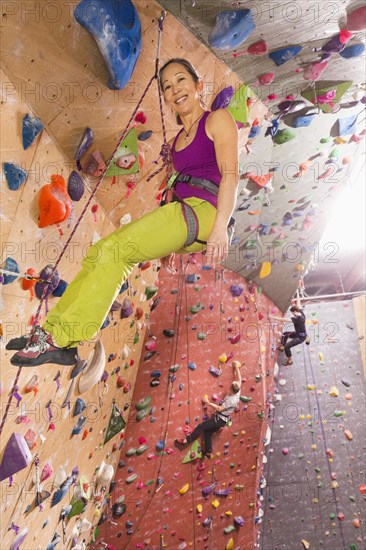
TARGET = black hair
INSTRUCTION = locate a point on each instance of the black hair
(295, 308)
(180, 61)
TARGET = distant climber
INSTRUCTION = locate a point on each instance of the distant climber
(295, 337)
(219, 419)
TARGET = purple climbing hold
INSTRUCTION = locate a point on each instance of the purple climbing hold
(231, 29)
(126, 308)
(236, 290)
(50, 286)
(75, 186)
(238, 520)
(16, 456)
(207, 490)
(223, 98)
(15, 545)
(86, 142)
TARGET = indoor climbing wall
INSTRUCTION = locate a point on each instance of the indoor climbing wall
(167, 498)
(305, 61)
(315, 493)
(56, 420)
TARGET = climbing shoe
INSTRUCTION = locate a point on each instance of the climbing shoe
(288, 362)
(280, 348)
(41, 350)
(19, 343)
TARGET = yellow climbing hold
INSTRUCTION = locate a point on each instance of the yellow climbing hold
(321, 356)
(265, 270)
(223, 358)
(228, 513)
(305, 544)
(334, 391)
(184, 489)
(313, 446)
(230, 544)
(215, 503)
(311, 386)
(302, 417)
(199, 508)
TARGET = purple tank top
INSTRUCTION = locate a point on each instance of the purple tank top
(199, 160)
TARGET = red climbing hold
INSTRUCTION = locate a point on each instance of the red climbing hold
(54, 202)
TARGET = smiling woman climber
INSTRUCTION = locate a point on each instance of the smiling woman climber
(202, 193)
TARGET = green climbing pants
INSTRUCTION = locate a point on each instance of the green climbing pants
(84, 306)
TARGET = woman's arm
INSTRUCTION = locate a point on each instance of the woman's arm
(222, 128)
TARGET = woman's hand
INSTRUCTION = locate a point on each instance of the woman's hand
(167, 262)
(217, 247)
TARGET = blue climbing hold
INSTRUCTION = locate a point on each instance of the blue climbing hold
(10, 265)
(160, 445)
(353, 51)
(79, 425)
(347, 125)
(280, 57)
(15, 175)
(301, 121)
(143, 136)
(80, 406)
(60, 289)
(155, 374)
(192, 366)
(115, 25)
(31, 127)
(231, 29)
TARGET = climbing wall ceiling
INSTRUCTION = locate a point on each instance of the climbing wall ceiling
(313, 164)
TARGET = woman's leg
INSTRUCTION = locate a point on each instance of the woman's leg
(84, 306)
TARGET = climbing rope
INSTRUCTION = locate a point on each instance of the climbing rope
(99, 181)
(325, 448)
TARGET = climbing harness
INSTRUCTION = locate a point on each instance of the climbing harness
(188, 212)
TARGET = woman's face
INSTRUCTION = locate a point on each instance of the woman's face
(180, 90)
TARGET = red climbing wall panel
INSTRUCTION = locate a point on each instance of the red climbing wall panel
(208, 321)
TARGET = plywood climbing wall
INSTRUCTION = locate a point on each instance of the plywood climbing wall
(202, 315)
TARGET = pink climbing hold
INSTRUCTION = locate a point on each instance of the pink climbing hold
(356, 20)
(315, 70)
(264, 79)
(285, 451)
(258, 48)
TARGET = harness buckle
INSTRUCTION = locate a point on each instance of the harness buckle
(171, 181)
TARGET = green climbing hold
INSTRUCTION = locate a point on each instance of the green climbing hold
(245, 399)
(258, 378)
(353, 547)
(141, 449)
(131, 451)
(326, 139)
(301, 455)
(232, 465)
(193, 453)
(260, 415)
(317, 470)
(338, 413)
(131, 479)
(229, 529)
(201, 336)
(150, 291)
(144, 402)
(283, 136)
(174, 368)
(195, 309)
(136, 338)
(141, 414)
(352, 499)
(332, 516)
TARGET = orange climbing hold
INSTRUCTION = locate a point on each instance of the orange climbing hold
(54, 202)
(28, 284)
